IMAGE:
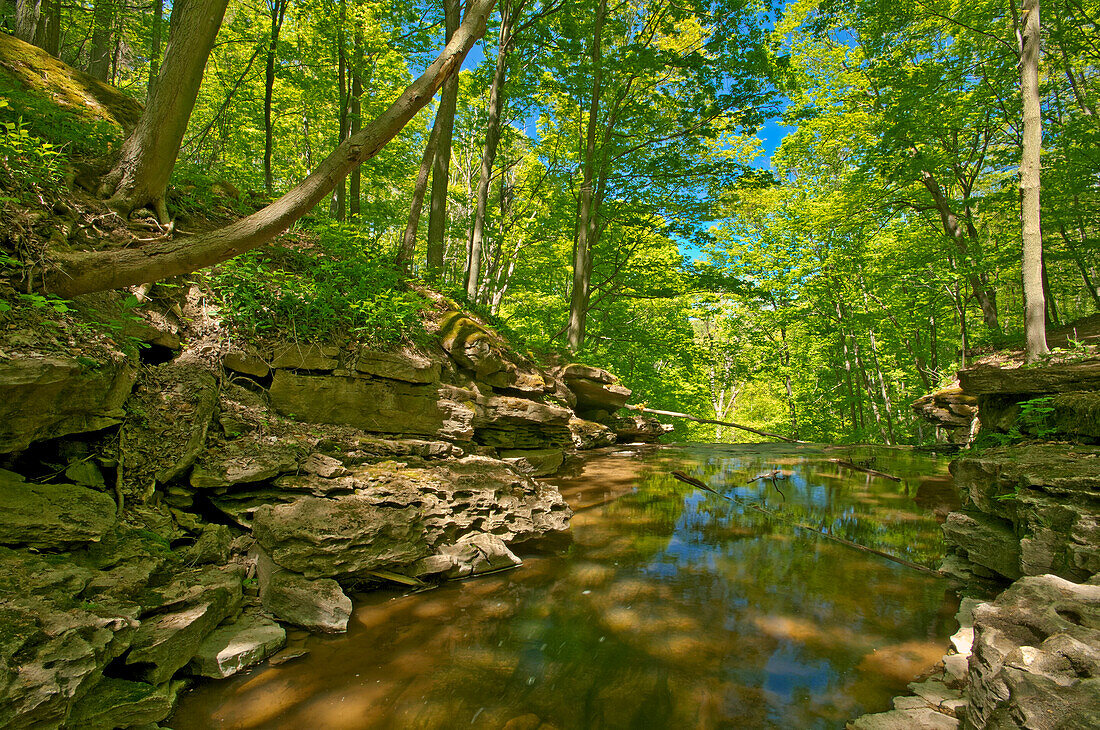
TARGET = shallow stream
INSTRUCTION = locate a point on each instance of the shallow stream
(673, 608)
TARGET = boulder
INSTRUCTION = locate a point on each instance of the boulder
(534, 462)
(299, 356)
(51, 516)
(407, 367)
(1036, 660)
(471, 345)
(590, 435)
(596, 396)
(47, 397)
(472, 555)
(637, 428)
(211, 547)
(237, 645)
(316, 605)
(194, 605)
(951, 409)
(118, 703)
(246, 363)
(340, 537)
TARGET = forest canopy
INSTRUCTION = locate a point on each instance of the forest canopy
(799, 216)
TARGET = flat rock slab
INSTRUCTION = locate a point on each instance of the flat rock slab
(408, 367)
(47, 397)
(237, 645)
(534, 462)
(910, 719)
(51, 516)
(1055, 378)
(297, 356)
(316, 605)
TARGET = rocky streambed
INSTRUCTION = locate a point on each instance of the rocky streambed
(168, 519)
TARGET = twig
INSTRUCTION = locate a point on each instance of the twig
(865, 470)
(674, 414)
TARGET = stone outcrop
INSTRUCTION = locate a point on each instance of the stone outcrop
(47, 397)
(51, 516)
(951, 409)
(596, 389)
(237, 645)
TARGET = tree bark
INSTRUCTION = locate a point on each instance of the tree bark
(441, 165)
(341, 212)
(81, 273)
(1032, 141)
(103, 19)
(277, 11)
(585, 228)
(407, 252)
(154, 50)
(38, 22)
(148, 155)
(354, 201)
(488, 156)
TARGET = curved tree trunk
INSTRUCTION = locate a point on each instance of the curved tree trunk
(81, 273)
(149, 153)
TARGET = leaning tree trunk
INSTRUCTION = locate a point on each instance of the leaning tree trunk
(148, 155)
(1034, 301)
(81, 273)
(492, 138)
(441, 166)
(407, 251)
(582, 252)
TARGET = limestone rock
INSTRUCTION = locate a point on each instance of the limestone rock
(372, 405)
(518, 423)
(166, 641)
(470, 345)
(637, 428)
(47, 397)
(924, 718)
(591, 435)
(341, 536)
(240, 462)
(534, 462)
(1052, 378)
(985, 540)
(237, 645)
(118, 703)
(595, 389)
(471, 555)
(408, 367)
(246, 363)
(298, 356)
(1036, 661)
(51, 516)
(317, 605)
(212, 546)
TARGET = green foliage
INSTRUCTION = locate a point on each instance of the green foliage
(341, 286)
(29, 166)
(1035, 418)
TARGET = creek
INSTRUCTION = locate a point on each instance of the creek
(672, 608)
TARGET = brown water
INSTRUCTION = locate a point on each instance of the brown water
(673, 608)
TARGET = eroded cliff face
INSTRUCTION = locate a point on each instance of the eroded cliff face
(167, 520)
(1027, 538)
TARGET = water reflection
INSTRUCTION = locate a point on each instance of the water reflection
(672, 608)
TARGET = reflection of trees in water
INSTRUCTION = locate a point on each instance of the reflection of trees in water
(672, 608)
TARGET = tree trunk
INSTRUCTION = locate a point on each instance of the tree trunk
(277, 11)
(340, 211)
(586, 218)
(1034, 301)
(148, 155)
(154, 50)
(441, 166)
(492, 138)
(356, 112)
(407, 252)
(84, 272)
(103, 19)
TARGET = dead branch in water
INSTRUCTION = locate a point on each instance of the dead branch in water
(674, 414)
(864, 469)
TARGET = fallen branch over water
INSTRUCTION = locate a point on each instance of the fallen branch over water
(674, 414)
(864, 469)
(781, 518)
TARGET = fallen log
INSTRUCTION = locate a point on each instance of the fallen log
(864, 469)
(802, 526)
(674, 414)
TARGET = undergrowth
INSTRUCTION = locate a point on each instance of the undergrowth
(330, 284)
